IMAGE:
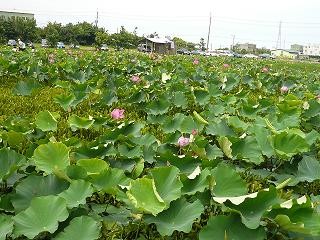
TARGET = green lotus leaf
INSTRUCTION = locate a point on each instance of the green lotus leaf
(25, 88)
(51, 157)
(313, 110)
(65, 100)
(6, 226)
(15, 139)
(237, 124)
(261, 134)
(108, 97)
(298, 216)
(76, 172)
(213, 152)
(93, 165)
(286, 224)
(179, 99)
(134, 152)
(247, 149)
(289, 144)
(179, 217)
(137, 97)
(47, 121)
(77, 193)
(308, 169)
(167, 183)
(144, 196)
(158, 107)
(198, 184)
(219, 129)
(36, 186)
(201, 96)
(263, 202)
(108, 180)
(76, 122)
(145, 140)
(10, 161)
(229, 227)
(43, 215)
(81, 228)
(228, 182)
(188, 124)
(172, 124)
(225, 146)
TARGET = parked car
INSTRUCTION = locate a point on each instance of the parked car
(265, 56)
(237, 55)
(44, 43)
(104, 47)
(144, 48)
(74, 46)
(250, 56)
(183, 51)
(12, 43)
(60, 45)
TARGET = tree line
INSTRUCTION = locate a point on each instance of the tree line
(83, 33)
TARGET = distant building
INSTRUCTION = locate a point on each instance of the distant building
(284, 54)
(7, 15)
(296, 47)
(160, 45)
(249, 47)
(312, 50)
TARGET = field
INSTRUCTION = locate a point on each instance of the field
(124, 145)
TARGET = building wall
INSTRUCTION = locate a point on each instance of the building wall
(162, 48)
(296, 47)
(246, 46)
(4, 14)
(312, 50)
(283, 54)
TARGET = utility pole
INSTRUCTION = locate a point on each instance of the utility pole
(209, 32)
(97, 19)
(278, 46)
(233, 37)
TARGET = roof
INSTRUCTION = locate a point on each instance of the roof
(289, 51)
(16, 12)
(159, 40)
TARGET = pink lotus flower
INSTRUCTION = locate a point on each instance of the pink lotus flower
(183, 141)
(196, 61)
(135, 78)
(194, 132)
(226, 65)
(284, 89)
(117, 113)
(265, 69)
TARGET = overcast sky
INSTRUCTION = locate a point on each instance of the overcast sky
(248, 20)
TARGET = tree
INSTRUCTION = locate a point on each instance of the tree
(202, 44)
(101, 38)
(180, 43)
(52, 32)
(13, 28)
(124, 39)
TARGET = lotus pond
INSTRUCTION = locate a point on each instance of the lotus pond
(123, 145)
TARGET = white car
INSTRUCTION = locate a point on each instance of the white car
(250, 56)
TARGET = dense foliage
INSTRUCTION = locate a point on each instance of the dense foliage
(121, 145)
(83, 33)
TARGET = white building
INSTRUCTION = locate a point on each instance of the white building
(311, 50)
